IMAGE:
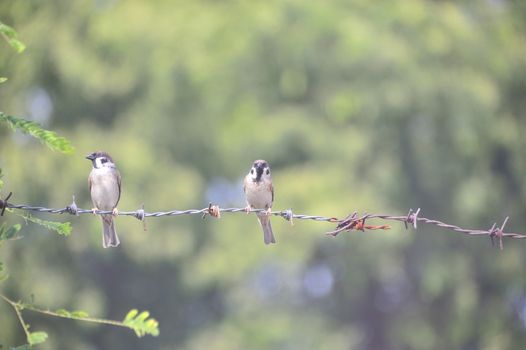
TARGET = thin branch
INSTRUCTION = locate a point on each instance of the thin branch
(141, 324)
(16, 306)
(70, 316)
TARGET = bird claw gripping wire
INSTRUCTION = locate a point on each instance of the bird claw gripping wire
(72, 208)
(4, 204)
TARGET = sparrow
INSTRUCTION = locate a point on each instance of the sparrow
(259, 194)
(105, 189)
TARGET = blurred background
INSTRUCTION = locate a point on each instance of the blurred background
(357, 106)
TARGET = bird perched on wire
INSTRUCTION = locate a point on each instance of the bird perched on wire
(105, 189)
(259, 193)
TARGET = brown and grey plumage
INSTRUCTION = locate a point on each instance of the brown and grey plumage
(259, 194)
(105, 189)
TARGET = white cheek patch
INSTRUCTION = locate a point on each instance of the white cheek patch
(98, 163)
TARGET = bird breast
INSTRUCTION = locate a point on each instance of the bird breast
(259, 194)
(104, 188)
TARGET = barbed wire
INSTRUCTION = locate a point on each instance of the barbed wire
(349, 223)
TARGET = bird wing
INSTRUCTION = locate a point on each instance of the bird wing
(89, 182)
(118, 175)
(245, 185)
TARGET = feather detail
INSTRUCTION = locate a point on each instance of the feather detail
(268, 235)
(109, 234)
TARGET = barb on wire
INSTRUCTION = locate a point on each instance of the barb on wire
(352, 222)
(3, 203)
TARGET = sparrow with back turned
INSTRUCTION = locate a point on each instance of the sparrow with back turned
(259, 193)
(105, 189)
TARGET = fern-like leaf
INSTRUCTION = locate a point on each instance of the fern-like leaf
(3, 275)
(49, 138)
(141, 324)
(62, 228)
(36, 337)
(78, 314)
(7, 233)
(10, 35)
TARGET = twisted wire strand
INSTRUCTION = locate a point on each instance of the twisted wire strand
(351, 222)
(75, 211)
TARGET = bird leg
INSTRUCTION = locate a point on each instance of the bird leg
(115, 212)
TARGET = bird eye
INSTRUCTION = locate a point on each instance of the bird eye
(267, 172)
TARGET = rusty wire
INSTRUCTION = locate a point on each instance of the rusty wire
(351, 222)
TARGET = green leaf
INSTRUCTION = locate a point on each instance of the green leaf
(10, 232)
(9, 35)
(79, 314)
(22, 347)
(76, 313)
(3, 275)
(63, 312)
(143, 316)
(3, 80)
(49, 138)
(131, 314)
(62, 228)
(36, 337)
(141, 324)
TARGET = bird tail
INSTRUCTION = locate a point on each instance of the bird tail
(268, 235)
(109, 235)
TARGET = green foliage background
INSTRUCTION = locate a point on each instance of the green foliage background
(357, 106)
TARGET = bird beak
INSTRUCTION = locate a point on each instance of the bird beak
(91, 156)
